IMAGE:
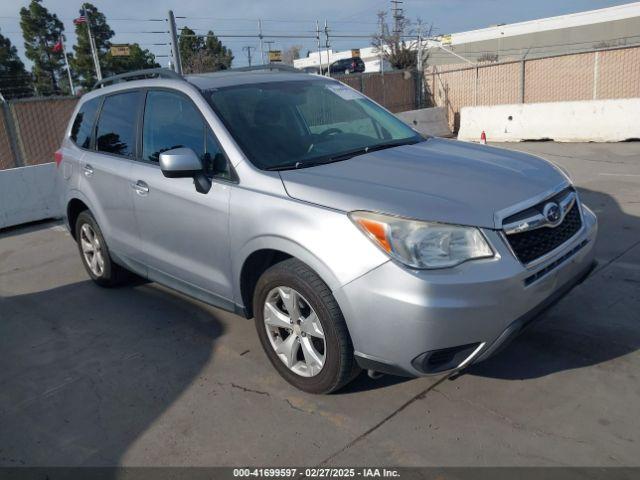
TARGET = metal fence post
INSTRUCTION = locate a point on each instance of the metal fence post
(475, 89)
(12, 130)
(596, 71)
(522, 68)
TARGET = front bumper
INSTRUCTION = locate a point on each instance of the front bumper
(399, 318)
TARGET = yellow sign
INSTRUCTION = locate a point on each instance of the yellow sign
(120, 50)
(446, 39)
(275, 56)
(355, 52)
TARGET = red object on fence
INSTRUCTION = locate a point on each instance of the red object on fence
(483, 138)
(58, 157)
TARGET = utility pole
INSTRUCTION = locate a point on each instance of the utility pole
(248, 49)
(175, 48)
(261, 41)
(381, 52)
(326, 45)
(398, 16)
(92, 44)
(319, 50)
(419, 66)
(66, 63)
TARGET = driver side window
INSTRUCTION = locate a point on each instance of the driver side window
(172, 121)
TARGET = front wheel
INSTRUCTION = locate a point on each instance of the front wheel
(302, 329)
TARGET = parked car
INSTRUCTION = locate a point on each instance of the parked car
(352, 240)
(346, 66)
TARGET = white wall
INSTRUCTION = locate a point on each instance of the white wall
(429, 121)
(28, 194)
(586, 121)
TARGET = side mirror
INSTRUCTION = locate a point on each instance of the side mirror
(184, 163)
(180, 163)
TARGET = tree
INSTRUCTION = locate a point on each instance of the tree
(401, 54)
(290, 54)
(15, 81)
(203, 54)
(138, 59)
(41, 30)
(82, 60)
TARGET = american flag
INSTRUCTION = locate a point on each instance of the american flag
(81, 19)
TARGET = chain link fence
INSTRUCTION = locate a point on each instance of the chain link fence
(595, 75)
(395, 91)
(31, 129)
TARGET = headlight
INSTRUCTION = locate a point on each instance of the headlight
(423, 244)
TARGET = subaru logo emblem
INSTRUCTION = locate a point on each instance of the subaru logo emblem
(551, 212)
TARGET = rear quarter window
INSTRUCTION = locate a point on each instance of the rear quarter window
(81, 130)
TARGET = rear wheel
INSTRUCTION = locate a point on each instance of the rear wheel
(302, 329)
(95, 253)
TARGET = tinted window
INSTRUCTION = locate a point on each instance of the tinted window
(172, 121)
(116, 130)
(294, 124)
(81, 129)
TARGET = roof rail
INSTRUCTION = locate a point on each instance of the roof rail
(268, 66)
(137, 75)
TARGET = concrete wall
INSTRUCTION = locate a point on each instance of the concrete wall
(585, 121)
(28, 194)
(429, 121)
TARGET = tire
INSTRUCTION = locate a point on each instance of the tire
(339, 366)
(110, 274)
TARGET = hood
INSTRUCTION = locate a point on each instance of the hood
(436, 180)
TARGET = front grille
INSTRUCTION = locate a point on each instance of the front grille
(531, 245)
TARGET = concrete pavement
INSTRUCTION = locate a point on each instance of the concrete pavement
(141, 375)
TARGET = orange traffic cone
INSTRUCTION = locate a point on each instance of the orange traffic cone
(483, 138)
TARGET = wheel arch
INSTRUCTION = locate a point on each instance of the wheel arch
(265, 252)
(75, 207)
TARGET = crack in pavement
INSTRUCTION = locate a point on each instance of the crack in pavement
(362, 436)
(244, 389)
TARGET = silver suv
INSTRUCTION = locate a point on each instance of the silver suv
(354, 242)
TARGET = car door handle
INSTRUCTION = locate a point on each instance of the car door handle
(140, 187)
(88, 170)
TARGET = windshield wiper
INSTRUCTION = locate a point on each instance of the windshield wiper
(285, 166)
(373, 148)
(342, 156)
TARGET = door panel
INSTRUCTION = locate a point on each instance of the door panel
(105, 174)
(184, 234)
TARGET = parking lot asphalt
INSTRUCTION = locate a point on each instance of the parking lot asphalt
(140, 375)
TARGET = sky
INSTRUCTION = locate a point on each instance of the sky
(131, 19)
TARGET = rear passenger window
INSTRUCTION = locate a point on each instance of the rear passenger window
(83, 123)
(116, 130)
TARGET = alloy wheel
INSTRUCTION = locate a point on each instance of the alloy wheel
(294, 331)
(92, 250)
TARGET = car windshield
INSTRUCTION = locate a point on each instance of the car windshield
(302, 123)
